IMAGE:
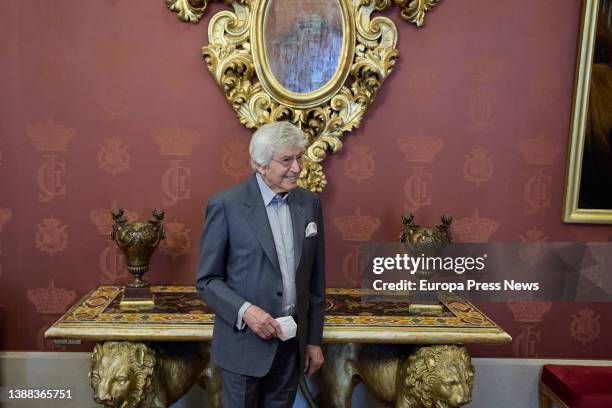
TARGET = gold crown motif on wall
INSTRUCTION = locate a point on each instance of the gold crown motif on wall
(50, 136)
(529, 311)
(539, 150)
(475, 228)
(420, 148)
(51, 300)
(357, 227)
(485, 68)
(176, 141)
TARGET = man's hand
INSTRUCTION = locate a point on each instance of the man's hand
(314, 359)
(261, 322)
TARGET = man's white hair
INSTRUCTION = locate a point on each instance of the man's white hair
(272, 137)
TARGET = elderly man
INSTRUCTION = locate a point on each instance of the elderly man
(262, 257)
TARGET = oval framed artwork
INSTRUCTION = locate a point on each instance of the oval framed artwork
(303, 49)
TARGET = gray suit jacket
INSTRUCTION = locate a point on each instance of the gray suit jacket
(238, 263)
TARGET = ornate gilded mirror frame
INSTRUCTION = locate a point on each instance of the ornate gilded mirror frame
(236, 57)
(581, 126)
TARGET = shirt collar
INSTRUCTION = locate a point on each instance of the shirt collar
(266, 192)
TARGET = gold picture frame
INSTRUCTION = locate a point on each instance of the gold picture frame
(237, 57)
(579, 174)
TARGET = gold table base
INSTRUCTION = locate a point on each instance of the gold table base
(351, 319)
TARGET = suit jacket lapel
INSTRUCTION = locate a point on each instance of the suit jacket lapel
(257, 218)
(298, 221)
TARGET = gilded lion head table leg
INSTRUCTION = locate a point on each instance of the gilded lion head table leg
(151, 375)
(404, 376)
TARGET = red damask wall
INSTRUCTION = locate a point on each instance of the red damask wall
(109, 103)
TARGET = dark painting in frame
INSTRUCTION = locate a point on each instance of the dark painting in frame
(588, 187)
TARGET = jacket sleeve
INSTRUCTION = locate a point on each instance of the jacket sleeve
(317, 285)
(212, 266)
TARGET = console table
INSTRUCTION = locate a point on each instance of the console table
(351, 318)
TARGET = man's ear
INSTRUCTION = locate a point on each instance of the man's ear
(260, 169)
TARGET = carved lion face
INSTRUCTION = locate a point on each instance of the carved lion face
(120, 372)
(453, 384)
(440, 377)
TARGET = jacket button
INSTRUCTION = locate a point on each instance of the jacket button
(279, 294)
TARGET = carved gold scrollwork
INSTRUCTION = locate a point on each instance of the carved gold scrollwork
(189, 11)
(236, 58)
(413, 11)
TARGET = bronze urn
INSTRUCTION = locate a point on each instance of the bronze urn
(427, 242)
(137, 241)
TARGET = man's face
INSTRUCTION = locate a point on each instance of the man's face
(282, 174)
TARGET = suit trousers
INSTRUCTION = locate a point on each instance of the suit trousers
(277, 389)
